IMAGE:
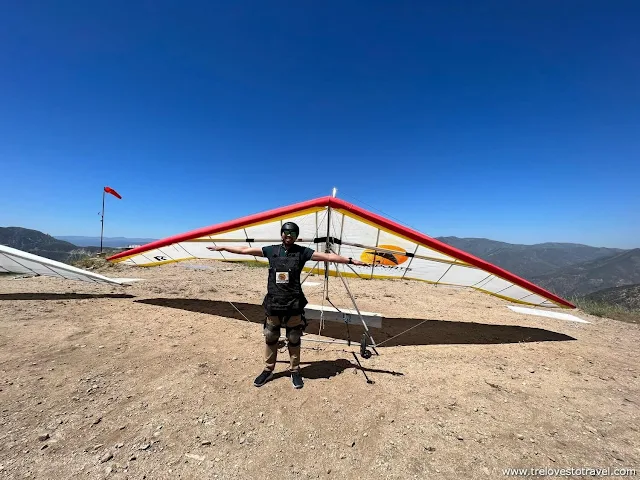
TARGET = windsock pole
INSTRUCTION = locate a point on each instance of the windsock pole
(102, 220)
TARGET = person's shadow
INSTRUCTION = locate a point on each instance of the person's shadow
(330, 368)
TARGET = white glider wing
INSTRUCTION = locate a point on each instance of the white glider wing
(16, 261)
(392, 251)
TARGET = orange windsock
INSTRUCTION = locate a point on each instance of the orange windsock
(112, 192)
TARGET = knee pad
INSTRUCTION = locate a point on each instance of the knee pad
(271, 334)
(293, 336)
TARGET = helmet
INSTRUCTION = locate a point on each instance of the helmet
(291, 227)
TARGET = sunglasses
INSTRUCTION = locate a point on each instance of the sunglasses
(291, 233)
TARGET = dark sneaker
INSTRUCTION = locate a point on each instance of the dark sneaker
(263, 378)
(296, 379)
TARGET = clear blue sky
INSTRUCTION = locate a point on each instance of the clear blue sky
(517, 121)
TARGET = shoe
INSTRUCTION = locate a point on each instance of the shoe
(263, 378)
(296, 379)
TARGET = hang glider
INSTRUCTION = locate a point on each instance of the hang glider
(17, 261)
(330, 224)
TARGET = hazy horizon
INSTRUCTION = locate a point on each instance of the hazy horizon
(438, 236)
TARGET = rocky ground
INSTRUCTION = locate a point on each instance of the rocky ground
(155, 381)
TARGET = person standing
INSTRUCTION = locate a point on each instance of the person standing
(284, 301)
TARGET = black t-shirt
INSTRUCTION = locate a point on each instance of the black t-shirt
(305, 252)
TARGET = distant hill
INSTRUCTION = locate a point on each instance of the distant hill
(627, 296)
(36, 242)
(106, 241)
(587, 277)
(529, 261)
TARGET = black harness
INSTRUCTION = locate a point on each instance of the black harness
(284, 292)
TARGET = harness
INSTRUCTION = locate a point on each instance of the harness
(284, 296)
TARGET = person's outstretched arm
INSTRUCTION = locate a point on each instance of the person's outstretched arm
(333, 257)
(240, 250)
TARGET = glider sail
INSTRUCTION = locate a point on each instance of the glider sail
(392, 251)
(17, 261)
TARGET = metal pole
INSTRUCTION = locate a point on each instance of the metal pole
(309, 273)
(327, 250)
(102, 220)
(362, 369)
(355, 305)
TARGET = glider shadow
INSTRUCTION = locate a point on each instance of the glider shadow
(431, 332)
(61, 296)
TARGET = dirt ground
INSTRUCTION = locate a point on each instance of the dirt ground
(155, 381)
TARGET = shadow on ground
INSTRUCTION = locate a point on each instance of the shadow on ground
(327, 369)
(61, 296)
(431, 332)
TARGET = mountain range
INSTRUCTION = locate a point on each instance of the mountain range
(567, 269)
(627, 296)
(586, 277)
(529, 261)
(36, 242)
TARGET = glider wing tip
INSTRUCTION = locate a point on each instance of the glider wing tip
(128, 281)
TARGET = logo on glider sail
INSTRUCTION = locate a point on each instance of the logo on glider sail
(385, 257)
